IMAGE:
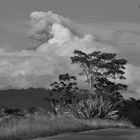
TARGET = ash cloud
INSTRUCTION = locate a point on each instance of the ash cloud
(51, 30)
(43, 26)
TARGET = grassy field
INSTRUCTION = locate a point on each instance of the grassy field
(44, 125)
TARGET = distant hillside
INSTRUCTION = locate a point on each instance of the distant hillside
(23, 98)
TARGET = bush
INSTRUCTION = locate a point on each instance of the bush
(130, 110)
(93, 108)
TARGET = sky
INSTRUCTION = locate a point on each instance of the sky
(107, 25)
(14, 15)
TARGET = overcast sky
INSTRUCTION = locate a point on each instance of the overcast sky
(110, 25)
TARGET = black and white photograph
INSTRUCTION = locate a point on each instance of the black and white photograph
(69, 69)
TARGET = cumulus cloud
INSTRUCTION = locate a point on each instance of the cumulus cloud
(51, 30)
(42, 24)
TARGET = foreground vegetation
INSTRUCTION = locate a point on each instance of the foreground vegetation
(47, 124)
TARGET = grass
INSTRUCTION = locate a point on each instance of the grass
(43, 125)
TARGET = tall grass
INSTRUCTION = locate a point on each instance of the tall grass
(43, 125)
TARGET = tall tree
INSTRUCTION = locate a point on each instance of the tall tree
(102, 71)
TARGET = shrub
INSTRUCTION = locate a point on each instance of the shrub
(130, 110)
(93, 108)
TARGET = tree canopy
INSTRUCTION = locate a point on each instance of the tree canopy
(102, 70)
(67, 86)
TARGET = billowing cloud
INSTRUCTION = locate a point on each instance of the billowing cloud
(51, 30)
(57, 39)
(42, 24)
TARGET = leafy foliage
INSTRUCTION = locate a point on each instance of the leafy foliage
(130, 110)
(102, 70)
(66, 86)
(93, 108)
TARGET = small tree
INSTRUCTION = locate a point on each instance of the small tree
(66, 86)
(102, 70)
